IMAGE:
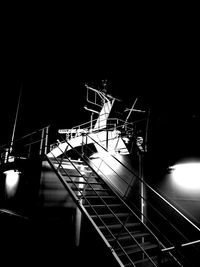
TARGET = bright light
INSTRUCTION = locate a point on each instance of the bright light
(187, 175)
(12, 179)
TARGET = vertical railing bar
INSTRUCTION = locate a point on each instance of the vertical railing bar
(46, 139)
(41, 142)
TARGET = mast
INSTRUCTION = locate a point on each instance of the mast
(15, 121)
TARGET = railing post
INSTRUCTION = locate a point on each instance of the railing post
(46, 140)
(142, 188)
(107, 139)
(6, 155)
(84, 144)
(41, 142)
(29, 147)
(91, 121)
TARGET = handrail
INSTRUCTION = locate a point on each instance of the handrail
(24, 136)
(27, 140)
(81, 207)
(12, 213)
(163, 216)
(32, 133)
(115, 125)
(130, 210)
(77, 201)
(124, 166)
(182, 245)
(112, 190)
(144, 182)
(144, 216)
(160, 214)
(126, 190)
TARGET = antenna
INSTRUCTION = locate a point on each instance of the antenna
(104, 82)
(133, 109)
(130, 110)
(146, 131)
(15, 122)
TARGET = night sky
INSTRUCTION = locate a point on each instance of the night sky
(156, 62)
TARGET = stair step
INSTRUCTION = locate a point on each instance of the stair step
(105, 197)
(103, 206)
(92, 177)
(66, 160)
(110, 215)
(84, 178)
(72, 176)
(91, 189)
(134, 248)
(85, 182)
(118, 226)
(142, 262)
(99, 199)
(126, 236)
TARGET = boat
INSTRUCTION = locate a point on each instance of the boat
(88, 185)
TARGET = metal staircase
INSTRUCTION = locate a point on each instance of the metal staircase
(114, 201)
(163, 237)
(132, 237)
(130, 241)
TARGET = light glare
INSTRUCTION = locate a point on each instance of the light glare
(187, 175)
(12, 179)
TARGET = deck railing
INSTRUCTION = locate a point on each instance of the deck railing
(29, 145)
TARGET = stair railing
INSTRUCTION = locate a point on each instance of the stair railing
(112, 124)
(32, 144)
(145, 183)
(181, 244)
(12, 213)
(81, 207)
(124, 203)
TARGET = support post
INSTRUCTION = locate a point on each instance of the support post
(142, 188)
(41, 142)
(15, 122)
(46, 140)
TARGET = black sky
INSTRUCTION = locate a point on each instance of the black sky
(155, 59)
